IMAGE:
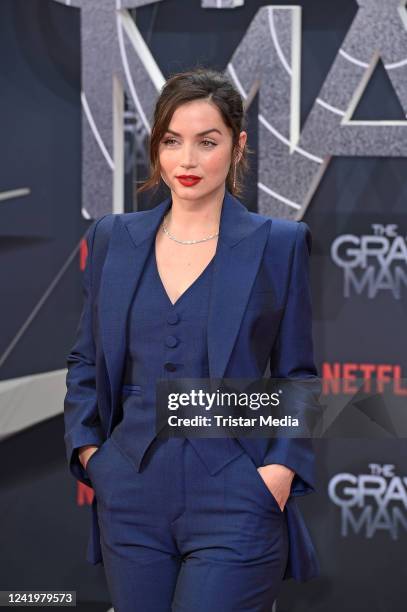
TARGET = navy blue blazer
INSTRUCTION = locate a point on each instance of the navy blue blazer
(261, 273)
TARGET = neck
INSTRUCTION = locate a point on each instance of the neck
(194, 219)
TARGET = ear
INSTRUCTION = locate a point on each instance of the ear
(241, 146)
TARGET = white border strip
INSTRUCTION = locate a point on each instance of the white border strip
(14, 193)
(329, 107)
(236, 80)
(275, 41)
(95, 131)
(278, 197)
(280, 137)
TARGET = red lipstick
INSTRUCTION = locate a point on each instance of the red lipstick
(188, 180)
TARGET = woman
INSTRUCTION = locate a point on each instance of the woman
(196, 287)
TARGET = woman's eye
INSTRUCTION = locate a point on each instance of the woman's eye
(207, 143)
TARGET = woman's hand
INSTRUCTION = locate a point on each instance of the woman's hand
(85, 453)
(278, 479)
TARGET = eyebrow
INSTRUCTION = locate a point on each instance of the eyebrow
(199, 134)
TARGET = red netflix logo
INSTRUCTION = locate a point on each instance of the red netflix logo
(339, 378)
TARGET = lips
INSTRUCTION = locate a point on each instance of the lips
(189, 180)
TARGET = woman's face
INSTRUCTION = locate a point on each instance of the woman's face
(197, 143)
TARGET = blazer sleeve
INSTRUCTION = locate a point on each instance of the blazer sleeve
(292, 356)
(81, 419)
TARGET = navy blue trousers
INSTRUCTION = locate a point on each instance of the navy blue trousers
(174, 538)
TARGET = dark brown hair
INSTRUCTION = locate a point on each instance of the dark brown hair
(196, 84)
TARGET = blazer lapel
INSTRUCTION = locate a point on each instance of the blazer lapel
(241, 242)
(128, 249)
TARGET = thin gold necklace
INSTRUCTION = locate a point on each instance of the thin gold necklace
(166, 231)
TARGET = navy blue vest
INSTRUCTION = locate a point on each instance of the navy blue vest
(165, 340)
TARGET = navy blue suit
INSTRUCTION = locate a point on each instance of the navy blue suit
(260, 273)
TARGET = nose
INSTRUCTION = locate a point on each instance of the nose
(188, 157)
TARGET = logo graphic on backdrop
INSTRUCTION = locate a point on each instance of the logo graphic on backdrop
(292, 159)
(372, 262)
(371, 502)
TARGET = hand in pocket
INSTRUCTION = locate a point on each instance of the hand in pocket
(278, 479)
(86, 452)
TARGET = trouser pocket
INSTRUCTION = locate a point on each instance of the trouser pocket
(262, 486)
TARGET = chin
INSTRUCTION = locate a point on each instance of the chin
(188, 193)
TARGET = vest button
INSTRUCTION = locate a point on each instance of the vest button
(172, 318)
(170, 366)
(171, 341)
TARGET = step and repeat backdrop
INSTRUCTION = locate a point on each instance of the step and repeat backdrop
(325, 88)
